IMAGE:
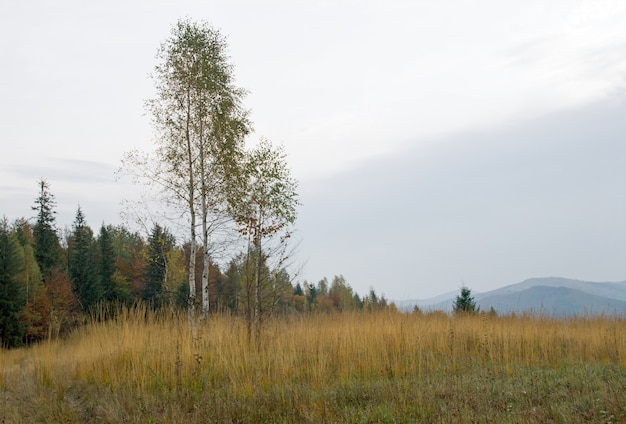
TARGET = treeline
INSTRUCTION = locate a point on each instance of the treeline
(49, 284)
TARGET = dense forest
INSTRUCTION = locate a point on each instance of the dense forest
(52, 280)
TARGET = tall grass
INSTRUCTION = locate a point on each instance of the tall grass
(385, 367)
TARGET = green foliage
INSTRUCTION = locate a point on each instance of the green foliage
(31, 275)
(322, 287)
(12, 293)
(311, 293)
(48, 250)
(83, 263)
(229, 287)
(200, 124)
(252, 268)
(464, 302)
(106, 259)
(372, 302)
(130, 261)
(264, 201)
(342, 295)
(160, 243)
(283, 292)
(35, 316)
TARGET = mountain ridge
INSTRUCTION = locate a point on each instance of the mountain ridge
(552, 296)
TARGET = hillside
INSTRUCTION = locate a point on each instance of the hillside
(553, 296)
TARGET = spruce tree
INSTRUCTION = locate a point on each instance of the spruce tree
(48, 251)
(12, 293)
(82, 265)
(464, 302)
(107, 264)
(160, 243)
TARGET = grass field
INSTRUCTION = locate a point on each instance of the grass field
(344, 368)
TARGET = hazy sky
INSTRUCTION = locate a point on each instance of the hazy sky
(436, 143)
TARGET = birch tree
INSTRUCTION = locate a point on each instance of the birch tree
(200, 124)
(264, 205)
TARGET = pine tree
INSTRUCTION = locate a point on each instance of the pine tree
(12, 293)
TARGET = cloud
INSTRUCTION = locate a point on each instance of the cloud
(487, 207)
(64, 170)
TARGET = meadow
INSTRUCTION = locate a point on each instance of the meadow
(362, 367)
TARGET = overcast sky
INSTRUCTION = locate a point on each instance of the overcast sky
(436, 143)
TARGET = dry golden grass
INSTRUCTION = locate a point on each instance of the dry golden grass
(360, 367)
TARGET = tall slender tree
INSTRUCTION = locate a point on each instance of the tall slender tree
(48, 251)
(82, 263)
(31, 274)
(264, 204)
(200, 125)
(36, 316)
(12, 293)
(160, 243)
(106, 262)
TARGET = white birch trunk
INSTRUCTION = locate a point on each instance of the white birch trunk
(205, 283)
(192, 214)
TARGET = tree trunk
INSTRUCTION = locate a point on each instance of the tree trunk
(257, 292)
(192, 214)
(204, 199)
(205, 280)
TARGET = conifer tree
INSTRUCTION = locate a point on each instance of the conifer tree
(12, 293)
(82, 263)
(107, 265)
(48, 251)
(36, 316)
(31, 275)
(464, 302)
(156, 273)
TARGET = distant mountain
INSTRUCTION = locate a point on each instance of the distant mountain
(552, 296)
(408, 305)
(610, 290)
